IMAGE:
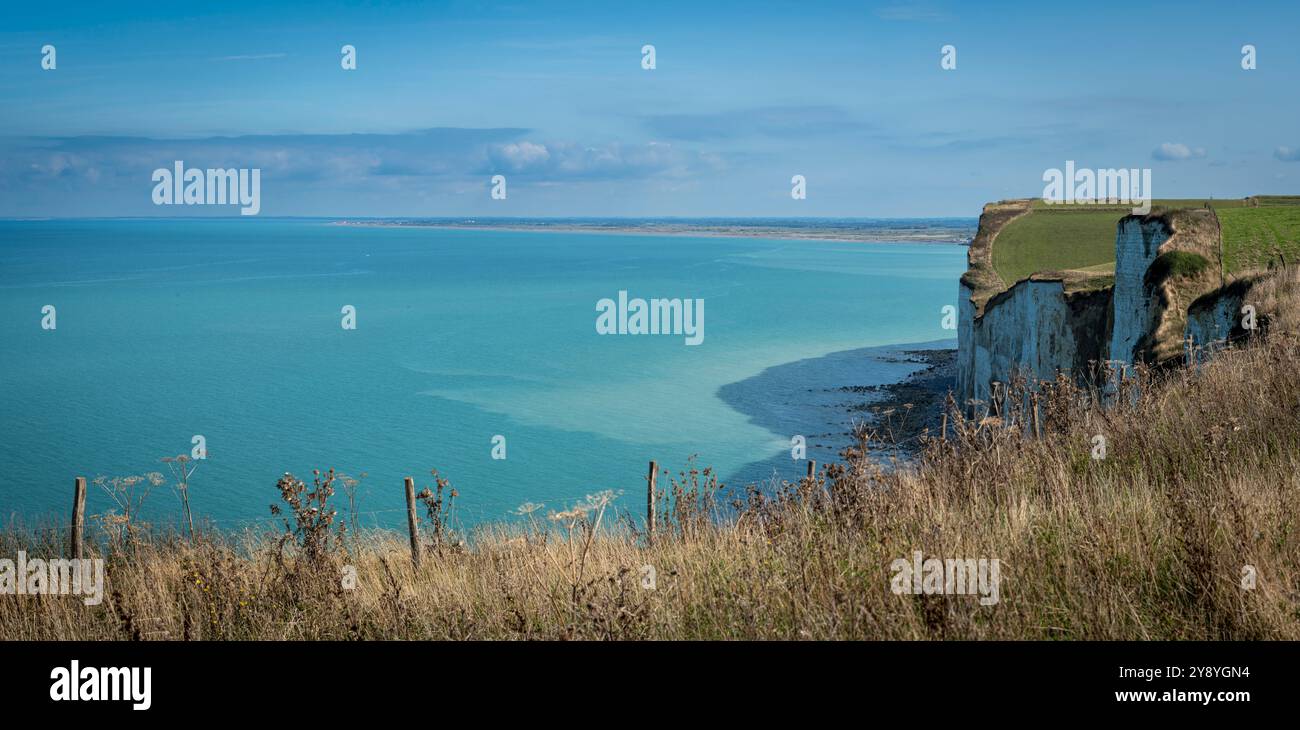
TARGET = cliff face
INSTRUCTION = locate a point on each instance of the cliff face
(1136, 243)
(981, 281)
(1215, 320)
(1216, 317)
(1187, 265)
(1033, 330)
(1168, 284)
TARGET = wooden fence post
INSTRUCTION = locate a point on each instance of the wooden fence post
(1037, 434)
(812, 469)
(78, 516)
(943, 430)
(650, 503)
(412, 523)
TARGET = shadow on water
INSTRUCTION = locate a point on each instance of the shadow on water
(822, 398)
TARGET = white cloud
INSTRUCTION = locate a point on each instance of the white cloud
(521, 156)
(1177, 151)
(569, 160)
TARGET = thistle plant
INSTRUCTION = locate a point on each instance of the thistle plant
(439, 508)
(313, 517)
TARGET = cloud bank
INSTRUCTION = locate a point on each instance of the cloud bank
(95, 174)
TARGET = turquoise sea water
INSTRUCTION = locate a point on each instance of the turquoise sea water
(231, 329)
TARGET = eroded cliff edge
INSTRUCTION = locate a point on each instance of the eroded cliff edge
(1169, 283)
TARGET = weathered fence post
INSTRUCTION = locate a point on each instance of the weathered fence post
(412, 523)
(812, 469)
(1037, 434)
(650, 503)
(78, 516)
(943, 431)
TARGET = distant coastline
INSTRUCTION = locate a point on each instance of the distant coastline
(847, 230)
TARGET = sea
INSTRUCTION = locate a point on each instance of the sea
(385, 350)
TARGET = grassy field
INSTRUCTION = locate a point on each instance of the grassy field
(1255, 237)
(1198, 488)
(1216, 203)
(1056, 238)
(1270, 200)
(1074, 238)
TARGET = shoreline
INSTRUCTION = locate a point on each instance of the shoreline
(830, 235)
(917, 399)
(897, 391)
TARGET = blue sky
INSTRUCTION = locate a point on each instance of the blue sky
(552, 95)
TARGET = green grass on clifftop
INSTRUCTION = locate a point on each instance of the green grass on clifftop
(1080, 239)
(1056, 239)
(1255, 237)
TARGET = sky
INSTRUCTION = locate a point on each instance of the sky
(553, 96)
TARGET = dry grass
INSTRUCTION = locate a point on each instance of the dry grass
(1201, 478)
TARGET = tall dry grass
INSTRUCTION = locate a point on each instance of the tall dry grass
(1201, 478)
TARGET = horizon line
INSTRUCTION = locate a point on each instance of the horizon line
(33, 219)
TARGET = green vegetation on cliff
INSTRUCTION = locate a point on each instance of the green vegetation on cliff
(1176, 264)
(1254, 238)
(1057, 239)
(1077, 242)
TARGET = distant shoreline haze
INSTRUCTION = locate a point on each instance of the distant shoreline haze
(875, 230)
(834, 229)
